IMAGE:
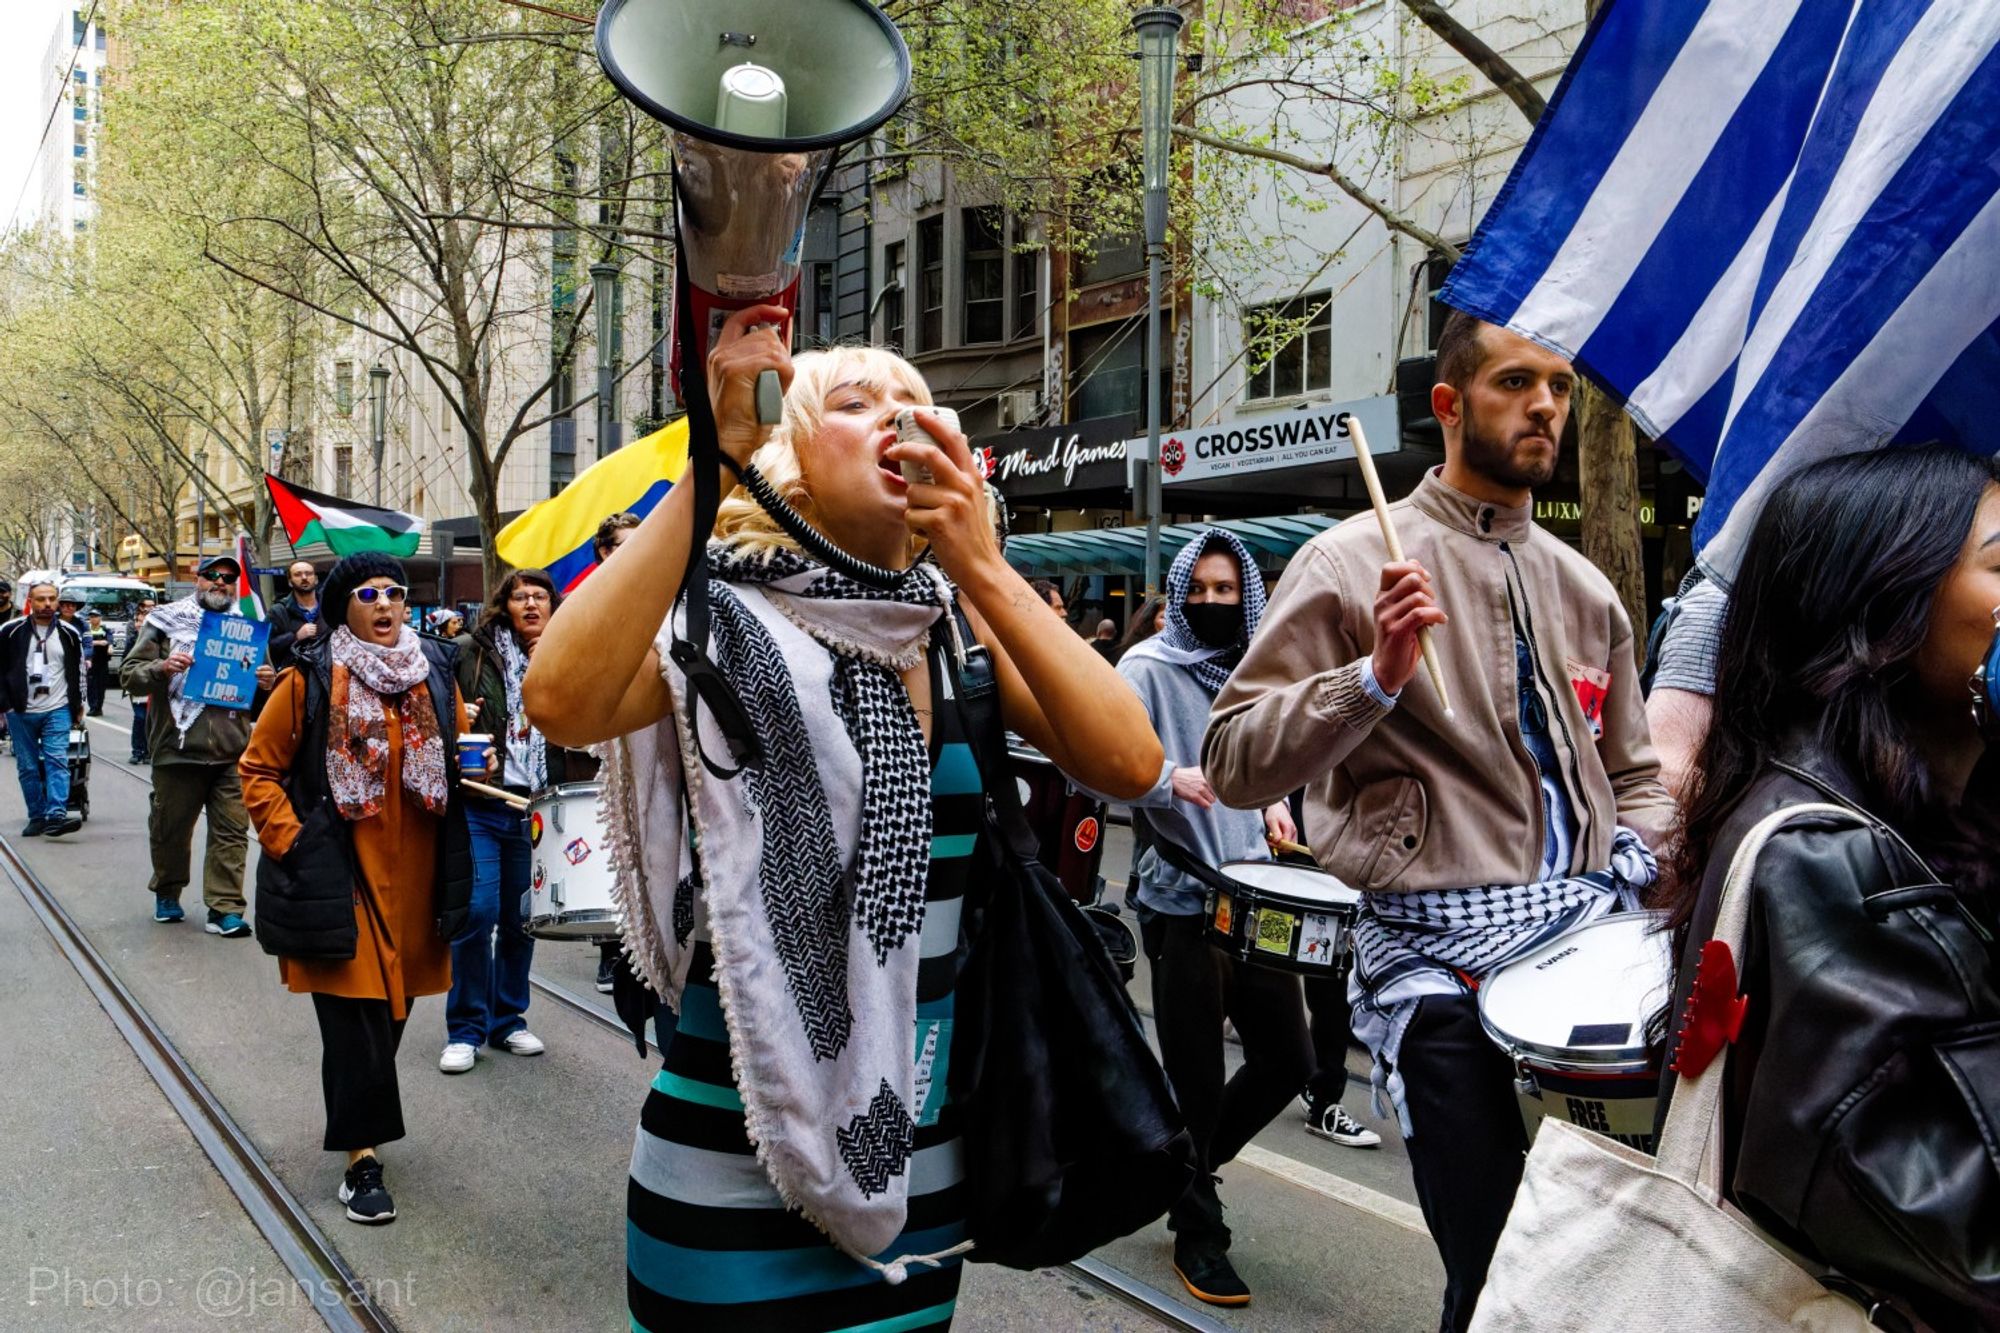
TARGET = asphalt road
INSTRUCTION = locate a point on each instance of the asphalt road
(511, 1183)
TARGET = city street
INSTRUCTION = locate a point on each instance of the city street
(511, 1183)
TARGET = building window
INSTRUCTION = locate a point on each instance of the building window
(82, 140)
(985, 303)
(1303, 362)
(343, 469)
(100, 36)
(1116, 256)
(1027, 290)
(76, 188)
(343, 388)
(1436, 269)
(77, 30)
(819, 282)
(895, 288)
(1109, 379)
(930, 284)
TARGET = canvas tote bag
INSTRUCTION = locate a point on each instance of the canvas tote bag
(1602, 1236)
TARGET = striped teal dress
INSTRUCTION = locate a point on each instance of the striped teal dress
(708, 1243)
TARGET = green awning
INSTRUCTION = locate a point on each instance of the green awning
(1123, 550)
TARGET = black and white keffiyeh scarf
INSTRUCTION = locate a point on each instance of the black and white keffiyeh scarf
(525, 745)
(1176, 643)
(812, 872)
(1409, 945)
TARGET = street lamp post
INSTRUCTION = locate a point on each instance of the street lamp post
(603, 294)
(1158, 28)
(200, 460)
(378, 418)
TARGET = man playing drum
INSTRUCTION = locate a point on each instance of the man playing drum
(1478, 839)
(1215, 596)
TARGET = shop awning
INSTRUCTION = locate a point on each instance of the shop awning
(1123, 550)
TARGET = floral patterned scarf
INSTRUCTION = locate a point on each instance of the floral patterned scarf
(374, 679)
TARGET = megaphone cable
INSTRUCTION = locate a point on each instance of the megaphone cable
(805, 534)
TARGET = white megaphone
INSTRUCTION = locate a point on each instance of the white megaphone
(760, 95)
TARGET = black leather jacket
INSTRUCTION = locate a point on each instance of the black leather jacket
(1863, 1098)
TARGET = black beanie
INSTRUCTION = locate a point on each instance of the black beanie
(353, 571)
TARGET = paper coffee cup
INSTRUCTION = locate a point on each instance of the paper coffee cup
(472, 748)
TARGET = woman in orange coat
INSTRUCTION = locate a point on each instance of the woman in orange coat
(351, 777)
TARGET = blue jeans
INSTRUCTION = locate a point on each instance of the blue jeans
(489, 973)
(139, 749)
(41, 757)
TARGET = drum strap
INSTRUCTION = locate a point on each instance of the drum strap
(1193, 866)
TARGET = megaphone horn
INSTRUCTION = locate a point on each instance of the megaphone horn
(760, 96)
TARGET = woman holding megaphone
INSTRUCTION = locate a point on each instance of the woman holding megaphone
(802, 915)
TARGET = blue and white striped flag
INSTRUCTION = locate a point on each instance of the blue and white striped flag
(1771, 226)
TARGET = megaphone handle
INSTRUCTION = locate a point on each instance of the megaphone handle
(770, 398)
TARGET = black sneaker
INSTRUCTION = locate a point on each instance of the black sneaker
(69, 823)
(1208, 1275)
(35, 828)
(362, 1191)
(1332, 1122)
(607, 975)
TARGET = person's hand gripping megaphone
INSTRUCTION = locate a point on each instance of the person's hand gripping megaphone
(750, 343)
(950, 511)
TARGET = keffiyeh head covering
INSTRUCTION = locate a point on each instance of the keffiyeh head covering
(1177, 642)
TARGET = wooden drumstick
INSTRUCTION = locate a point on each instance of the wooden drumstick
(497, 793)
(1366, 459)
(1289, 848)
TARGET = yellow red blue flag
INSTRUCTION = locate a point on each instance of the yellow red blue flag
(555, 534)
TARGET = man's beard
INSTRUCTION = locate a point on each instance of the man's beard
(216, 599)
(1494, 459)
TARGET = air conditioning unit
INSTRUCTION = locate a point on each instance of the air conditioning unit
(1018, 407)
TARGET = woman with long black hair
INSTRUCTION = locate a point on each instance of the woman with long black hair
(1862, 1097)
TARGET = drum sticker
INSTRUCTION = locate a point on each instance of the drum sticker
(535, 829)
(1274, 931)
(1316, 940)
(1225, 921)
(541, 877)
(1086, 835)
(1591, 685)
(933, 1056)
(577, 852)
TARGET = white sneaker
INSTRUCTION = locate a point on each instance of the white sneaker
(523, 1042)
(458, 1057)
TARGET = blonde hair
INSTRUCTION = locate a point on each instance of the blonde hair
(741, 521)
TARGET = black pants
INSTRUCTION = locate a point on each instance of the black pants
(1332, 1017)
(1468, 1145)
(1195, 987)
(357, 1070)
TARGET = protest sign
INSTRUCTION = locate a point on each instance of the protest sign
(227, 654)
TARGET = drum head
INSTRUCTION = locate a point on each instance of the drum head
(1584, 1001)
(1313, 886)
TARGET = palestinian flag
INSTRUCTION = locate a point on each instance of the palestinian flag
(248, 604)
(344, 525)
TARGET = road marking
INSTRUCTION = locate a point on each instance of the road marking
(1389, 1209)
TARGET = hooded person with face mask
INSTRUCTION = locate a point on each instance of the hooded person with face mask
(1215, 597)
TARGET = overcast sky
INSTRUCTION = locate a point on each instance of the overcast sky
(25, 26)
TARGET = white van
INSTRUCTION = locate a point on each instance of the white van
(112, 596)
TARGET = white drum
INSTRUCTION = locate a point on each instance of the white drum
(569, 884)
(1574, 1016)
(1287, 917)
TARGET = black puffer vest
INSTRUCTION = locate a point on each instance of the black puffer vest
(305, 900)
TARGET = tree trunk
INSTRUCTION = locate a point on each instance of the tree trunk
(1608, 483)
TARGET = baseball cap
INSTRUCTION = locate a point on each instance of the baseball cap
(216, 562)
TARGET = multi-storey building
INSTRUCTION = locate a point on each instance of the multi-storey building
(73, 67)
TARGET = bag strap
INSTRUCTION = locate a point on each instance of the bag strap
(1691, 1140)
(976, 688)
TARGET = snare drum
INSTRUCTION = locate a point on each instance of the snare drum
(569, 885)
(1067, 824)
(1286, 917)
(1573, 1017)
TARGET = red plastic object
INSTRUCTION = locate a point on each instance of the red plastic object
(1715, 1011)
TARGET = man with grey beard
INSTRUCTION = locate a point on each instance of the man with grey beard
(194, 749)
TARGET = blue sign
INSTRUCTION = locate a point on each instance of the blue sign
(227, 654)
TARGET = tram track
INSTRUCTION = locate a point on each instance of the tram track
(279, 1215)
(340, 1296)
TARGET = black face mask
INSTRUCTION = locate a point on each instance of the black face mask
(1216, 624)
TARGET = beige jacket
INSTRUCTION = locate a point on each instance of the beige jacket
(1401, 798)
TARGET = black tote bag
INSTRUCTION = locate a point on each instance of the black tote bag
(1073, 1138)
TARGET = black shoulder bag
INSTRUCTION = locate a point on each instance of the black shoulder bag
(1072, 1136)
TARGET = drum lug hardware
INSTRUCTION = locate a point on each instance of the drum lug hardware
(1525, 1084)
